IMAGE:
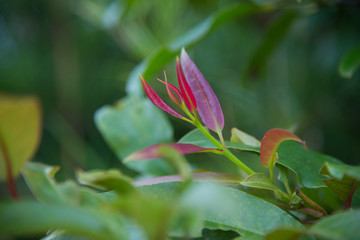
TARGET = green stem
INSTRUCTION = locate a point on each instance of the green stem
(226, 152)
(271, 170)
(310, 202)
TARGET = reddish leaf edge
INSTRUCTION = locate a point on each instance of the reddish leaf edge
(271, 142)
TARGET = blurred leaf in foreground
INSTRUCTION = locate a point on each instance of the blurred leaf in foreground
(20, 132)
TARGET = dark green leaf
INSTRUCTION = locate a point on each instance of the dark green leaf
(350, 62)
(305, 163)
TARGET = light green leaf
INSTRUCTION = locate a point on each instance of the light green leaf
(196, 137)
(350, 62)
(305, 163)
(28, 218)
(339, 170)
(133, 124)
(227, 207)
(238, 136)
(261, 181)
(111, 179)
(344, 226)
(20, 132)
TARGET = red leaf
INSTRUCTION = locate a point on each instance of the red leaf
(152, 151)
(185, 88)
(156, 100)
(176, 100)
(207, 103)
(271, 142)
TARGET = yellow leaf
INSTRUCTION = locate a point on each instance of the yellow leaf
(20, 131)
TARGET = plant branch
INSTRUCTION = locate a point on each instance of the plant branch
(310, 202)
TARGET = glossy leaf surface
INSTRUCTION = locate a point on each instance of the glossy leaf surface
(208, 105)
(305, 163)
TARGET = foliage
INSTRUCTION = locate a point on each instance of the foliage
(229, 185)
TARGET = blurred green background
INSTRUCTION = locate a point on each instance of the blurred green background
(275, 66)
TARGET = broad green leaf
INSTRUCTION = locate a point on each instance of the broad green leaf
(227, 207)
(350, 62)
(196, 137)
(111, 179)
(276, 32)
(344, 226)
(133, 124)
(212, 177)
(305, 163)
(261, 181)
(28, 218)
(344, 180)
(20, 132)
(270, 143)
(163, 55)
(238, 136)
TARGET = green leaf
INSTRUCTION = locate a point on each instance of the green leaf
(28, 218)
(339, 170)
(20, 132)
(211, 177)
(305, 163)
(40, 180)
(196, 137)
(111, 179)
(133, 124)
(238, 136)
(163, 55)
(350, 62)
(261, 181)
(344, 181)
(344, 225)
(227, 208)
